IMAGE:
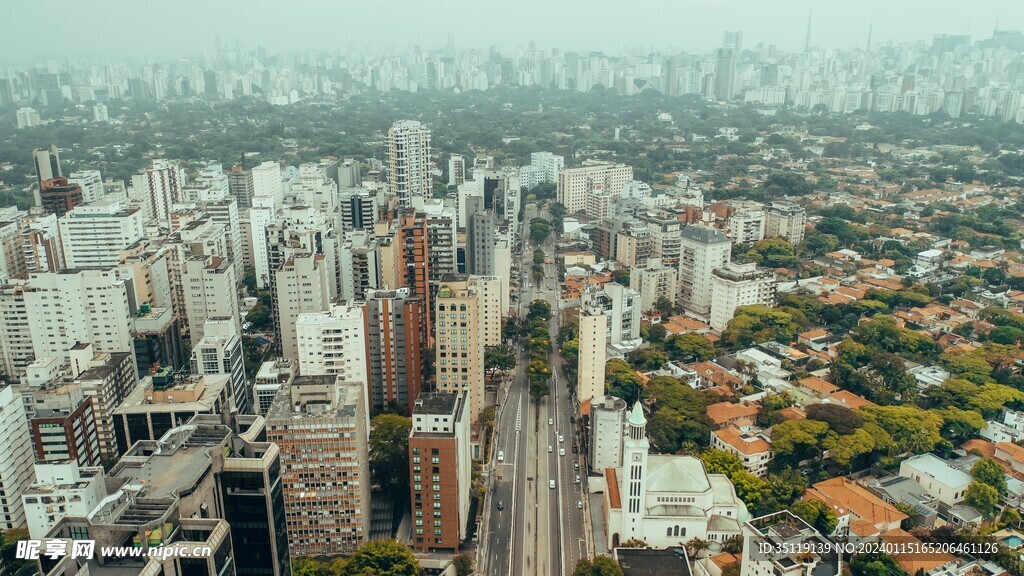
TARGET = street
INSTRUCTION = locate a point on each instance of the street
(540, 531)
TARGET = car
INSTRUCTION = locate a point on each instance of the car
(561, 438)
(579, 504)
(551, 484)
(575, 465)
(551, 421)
(561, 451)
(501, 505)
(577, 478)
(551, 448)
(501, 455)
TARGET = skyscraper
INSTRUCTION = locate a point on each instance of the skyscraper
(725, 74)
(398, 346)
(47, 165)
(459, 343)
(703, 249)
(409, 160)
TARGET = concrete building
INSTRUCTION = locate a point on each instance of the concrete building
(95, 235)
(108, 379)
(358, 209)
(725, 74)
(12, 259)
(270, 378)
(16, 458)
(593, 345)
(456, 169)
(574, 184)
(77, 307)
(459, 342)
(41, 245)
(752, 447)
(440, 470)
(241, 187)
(61, 489)
(734, 285)
(398, 344)
(156, 340)
(63, 425)
(666, 500)
(301, 287)
(746, 222)
(409, 161)
(607, 426)
(160, 188)
(783, 544)
(334, 343)
(46, 162)
(27, 117)
(266, 182)
(702, 250)
(481, 226)
(220, 352)
(205, 483)
(654, 281)
(321, 427)
(210, 292)
(621, 306)
(937, 477)
(91, 183)
(58, 196)
(785, 220)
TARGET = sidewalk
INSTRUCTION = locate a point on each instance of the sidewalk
(596, 502)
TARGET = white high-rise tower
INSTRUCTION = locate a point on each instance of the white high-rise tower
(409, 160)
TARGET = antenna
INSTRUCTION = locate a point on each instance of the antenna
(870, 26)
(807, 39)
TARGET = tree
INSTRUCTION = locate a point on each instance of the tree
(621, 276)
(665, 306)
(757, 324)
(389, 453)
(463, 564)
(988, 471)
(621, 381)
(912, 429)
(539, 309)
(499, 358)
(689, 347)
(874, 564)
(540, 230)
(983, 498)
(840, 419)
(599, 566)
(845, 448)
(796, 440)
(817, 514)
(647, 358)
(721, 462)
(383, 558)
(772, 253)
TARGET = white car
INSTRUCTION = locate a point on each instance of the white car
(561, 451)
(551, 421)
(501, 455)
(579, 504)
(561, 438)
(551, 484)
(551, 448)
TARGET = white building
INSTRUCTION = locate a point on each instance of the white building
(734, 285)
(301, 285)
(409, 160)
(262, 214)
(666, 500)
(575, 184)
(160, 188)
(746, 224)
(456, 169)
(99, 112)
(90, 182)
(621, 306)
(751, 446)
(592, 353)
(85, 306)
(937, 477)
(210, 292)
(94, 235)
(783, 544)
(27, 118)
(654, 281)
(220, 352)
(16, 458)
(702, 250)
(607, 426)
(61, 489)
(266, 182)
(785, 220)
(333, 342)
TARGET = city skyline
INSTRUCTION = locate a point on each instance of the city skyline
(694, 26)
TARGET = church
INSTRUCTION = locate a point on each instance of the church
(666, 500)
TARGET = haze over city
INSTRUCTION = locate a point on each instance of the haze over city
(126, 29)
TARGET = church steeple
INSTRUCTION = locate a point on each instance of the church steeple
(637, 423)
(634, 464)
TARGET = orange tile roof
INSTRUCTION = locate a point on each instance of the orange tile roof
(724, 559)
(815, 333)
(613, 488)
(914, 562)
(732, 437)
(851, 400)
(724, 412)
(818, 385)
(793, 413)
(863, 528)
(1014, 451)
(845, 497)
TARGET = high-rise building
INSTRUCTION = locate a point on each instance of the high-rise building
(785, 220)
(349, 174)
(63, 425)
(358, 209)
(107, 379)
(703, 249)
(481, 225)
(47, 166)
(220, 352)
(210, 292)
(61, 489)
(459, 343)
(241, 187)
(12, 259)
(456, 170)
(41, 244)
(321, 427)
(621, 305)
(574, 184)
(412, 247)
(91, 183)
(15, 335)
(440, 470)
(409, 161)
(442, 237)
(162, 188)
(301, 287)
(99, 112)
(266, 182)
(725, 74)
(27, 117)
(607, 422)
(398, 346)
(58, 196)
(77, 307)
(734, 285)
(654, 281)
(94, 235)
(333, 343)
(16, 457)
(593, 344)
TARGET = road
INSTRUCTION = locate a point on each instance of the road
(539, 531)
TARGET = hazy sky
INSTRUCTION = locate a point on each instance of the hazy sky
(33, 29)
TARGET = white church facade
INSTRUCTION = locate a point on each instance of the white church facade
(666, 500)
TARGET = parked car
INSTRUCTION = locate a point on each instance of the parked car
(501, 505)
